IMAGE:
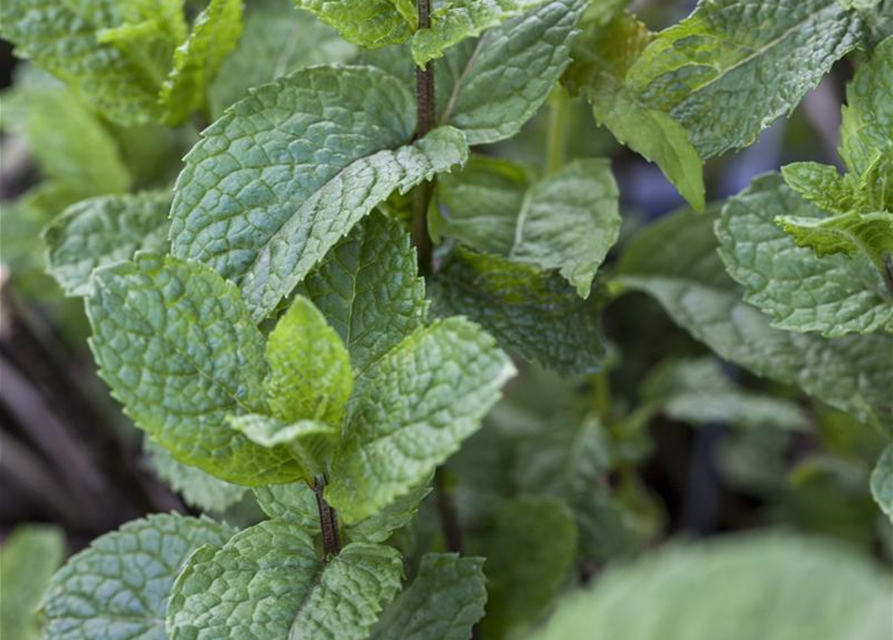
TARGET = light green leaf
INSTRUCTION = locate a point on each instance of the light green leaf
(118, 588)
(68, 141)
(852, 373)
(267, 583)
(566, 221)
(368, 289)
(541, 531)
(823, 185)
(311, 442)
(102, 231)
(198, 489)
(443, 602)
(537, 314)
(858, 4)
(882, 482)
(263, 210)
(368, 23)
(603, 56)
(214, 34)
(709, 71)
(28, 558)
(859, 236)
(698, 391)
(310, 376)
(411, 410)
(489, 88)
(101, 48)
(276, 41)
(772, 587)
(409, 10)
(866, 130)
(177, 347)
(835, 295)
(296, 502)
(455, 20)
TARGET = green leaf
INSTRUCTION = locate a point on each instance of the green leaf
(852, 373)
(177, 347)
(276, 41)
(118, 587)
(411, 410)
(28, 559)
(603, 56)
(697, 391)
(566, 221)
(311, 442)
(102, 231)
(68, 141)
(198, 489)
(368, 23)
(529, 557)
(443, 602)
(368, 289)
(859, 236)
(214, 34)
(113, 54)
(455, 20)
(535, 313)
(822, 185)
(835, 295)
(296, 502)
(866, 130)
(708, 72)
(263, 210)
(858, 4)
(267, 583)
(732, 590)
(490, 87)
(310, 376)
(882, 482)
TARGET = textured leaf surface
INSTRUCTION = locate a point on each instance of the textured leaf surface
(28, 559)
(118, 588)
(710, 72)
(882, 482)
(733, 589)
(368, 289)
(267, 583)
(489, 88)
(603, 55)
(566, 221)
(368, 23)
(196, 61)
(198, 489)
(866, 130)
(411, 410)
(178, 348)
(542, 532)
(118, 74)
(823, 185)
(860, 236)
(276, 41)
(852, 373)
(534, 313)
(455, 20)
(272, 186)
(310, 376)
(698, 391)
(102, 231)
(835, 295)
(443, 602)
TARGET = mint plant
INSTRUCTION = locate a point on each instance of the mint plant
(368, 325)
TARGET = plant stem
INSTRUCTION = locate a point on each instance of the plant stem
(887, 273)
(421, 195)
(601, 397)
(556, 140)
(328, 520)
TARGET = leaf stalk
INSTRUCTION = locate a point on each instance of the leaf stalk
(328, 520)
(425, 118)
